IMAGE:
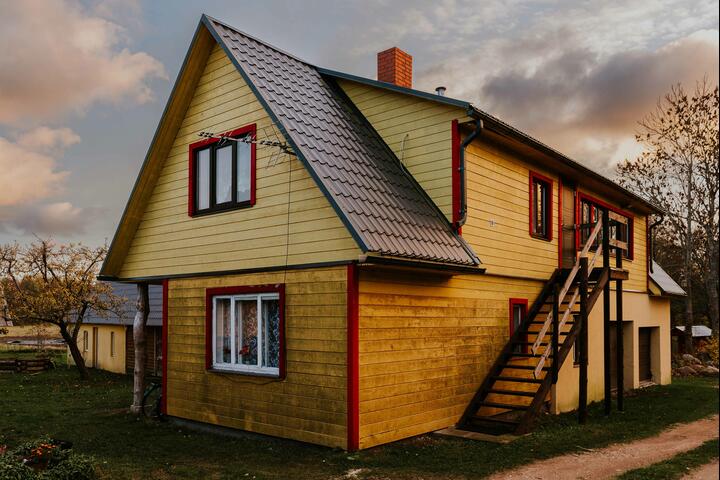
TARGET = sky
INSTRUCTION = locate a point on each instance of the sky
(83, 83)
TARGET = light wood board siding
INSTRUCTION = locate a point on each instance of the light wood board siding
(498, 221)
(426, 128)
(310, 404)
(169, 242)
(426, 343)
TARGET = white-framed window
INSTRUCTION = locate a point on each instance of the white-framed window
(112, 344)
(86, 341)
(246, 333)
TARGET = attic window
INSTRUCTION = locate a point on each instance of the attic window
(540, 206)
(222, 174)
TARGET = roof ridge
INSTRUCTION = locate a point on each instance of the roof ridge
(252, 37)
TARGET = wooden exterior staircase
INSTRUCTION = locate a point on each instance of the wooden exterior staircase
(513, 394)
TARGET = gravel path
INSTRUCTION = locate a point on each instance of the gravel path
(613, 460)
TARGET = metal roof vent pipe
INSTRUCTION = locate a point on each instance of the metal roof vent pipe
(440, 91)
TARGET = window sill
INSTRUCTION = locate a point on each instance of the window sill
(243, 373)
(540, 237)
(228, 208)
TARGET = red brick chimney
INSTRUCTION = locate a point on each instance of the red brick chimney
(395, 66)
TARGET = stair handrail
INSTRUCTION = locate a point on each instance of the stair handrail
(568, 284)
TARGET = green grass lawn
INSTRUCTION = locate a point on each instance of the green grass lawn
(677, 466)
(93, 415)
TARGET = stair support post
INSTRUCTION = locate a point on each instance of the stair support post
(582, 387)
(619, 350)
(555, 333)
(606, 314)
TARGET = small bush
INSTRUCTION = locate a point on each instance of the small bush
(12, 469)
(711, 349)
(74, 467)
(45, 459)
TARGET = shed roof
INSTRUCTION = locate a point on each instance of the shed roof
(665, 282)
(127, 315)
(697, 330)
(382, 205)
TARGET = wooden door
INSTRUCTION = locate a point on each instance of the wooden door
(645, 360)
(568, 227)
(95, 347)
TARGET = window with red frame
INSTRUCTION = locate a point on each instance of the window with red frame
(222, 173)
(518, 311)
(540, 206)
(590, 213)
(246, 331)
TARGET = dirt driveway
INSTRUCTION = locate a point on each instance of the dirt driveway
(611, 461)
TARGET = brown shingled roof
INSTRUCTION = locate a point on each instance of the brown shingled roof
(382, 205)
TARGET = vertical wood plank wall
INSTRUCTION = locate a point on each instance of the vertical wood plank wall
(310, 404)
(424, 126)
(426, 343)
(169, 242)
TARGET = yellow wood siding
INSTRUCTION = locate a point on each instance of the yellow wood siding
(169, 242)
(424, 126)
(310, 404)
(498, 221)
(110, 359)
(426, 343)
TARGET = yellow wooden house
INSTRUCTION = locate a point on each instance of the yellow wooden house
(350, 262)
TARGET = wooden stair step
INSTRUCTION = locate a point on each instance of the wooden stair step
(500, 378)
(519, 393)
(506, 406)
(542, 323)
(541, 344)
(522, 367)
(504, 421)
(546, 333)
(526, 355)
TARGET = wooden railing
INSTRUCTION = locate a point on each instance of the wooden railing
(559, 325)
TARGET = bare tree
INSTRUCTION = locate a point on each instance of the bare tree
(55, 284)
(678, 172)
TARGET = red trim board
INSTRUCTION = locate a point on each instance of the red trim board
(455, 166)
(251, 129)
(560, 222)
(238, 290)
(353, 358)
(163, 404)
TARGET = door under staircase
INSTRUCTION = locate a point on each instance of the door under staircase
(514, 392)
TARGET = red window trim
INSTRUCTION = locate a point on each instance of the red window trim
(238, 290)
(600, 203)
(455, 165)
(536, 176)
(247, 129)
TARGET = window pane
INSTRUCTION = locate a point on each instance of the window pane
(243, 172)
(222, 330)
(223, 174)
(246, 331)
(271, 331)
(203, 179)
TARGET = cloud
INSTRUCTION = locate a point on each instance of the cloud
(29, 173)
(56, 219)
(59, 57)
(45, 139)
